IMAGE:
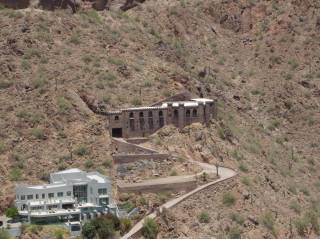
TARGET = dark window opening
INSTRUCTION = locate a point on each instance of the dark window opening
(131, 121)
(141, 120)
(194, 113)
(161, 119)
(116, 118)
(150, 120)
(188, 113)
(117, 132)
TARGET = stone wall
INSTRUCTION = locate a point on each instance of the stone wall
(129, 158)
(186, 185)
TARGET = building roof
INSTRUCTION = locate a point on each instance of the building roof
(189, 103)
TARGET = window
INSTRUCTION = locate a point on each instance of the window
(43, 196)
(161, 119)
(81, 193)
(69, 193)
(194, 113)
(102, 191)
(23, 197)
(131, 121)
(141, 120)
(37, 196)
(60, 194)
(30, 197)
(150, 119)
(188, 113)
(116, 118)
(50, 195)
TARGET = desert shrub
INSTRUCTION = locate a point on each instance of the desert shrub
(203, 217)
(295, 207)
(128, 206)
(39, 83)
(58, 234)
(234, 233)
(268, 220)
(2, 147)
(238, 218)
(35, 229)
(173, 172)
(293, 64)
(101, 227)
(292, 188)
(15, 174)
(107, 76)
(136, 101)
(305, 191)
(125, 225)
(64, 105)
(107, 163)
(301, 225)
(115, 61)
(228, 199)
(90, 16)
(273, 125)
(38, 133)
(81, 150)
(75, 39)
(150, 228)
(89, 164)
(246, 181)
(11, 212)
(5, 84)
(243, 168)
(4, 234)
(237, 155)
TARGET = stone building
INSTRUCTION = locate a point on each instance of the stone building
(143, 121)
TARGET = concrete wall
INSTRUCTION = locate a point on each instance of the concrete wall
(119, 159)
(186, 185)
(129, 148)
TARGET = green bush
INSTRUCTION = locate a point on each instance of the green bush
(125, 225)
(203, 217)
(246, 181)
(5, 84)
(4, 234)
(235, 233)
(107, 163)
(301, 225)
(64, 105)
(58, 234)
(12, 212)
(150, 228)
(15, 174)
(38, 133)
(89, 164)
(243, 168)
(238, 218)
(228, 199)
(2, 148)
(268, 221)
(295, 207)
(81, 150)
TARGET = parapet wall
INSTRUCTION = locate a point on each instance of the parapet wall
(129, 158)
(186, 185)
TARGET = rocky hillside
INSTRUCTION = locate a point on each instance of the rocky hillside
(260, 59)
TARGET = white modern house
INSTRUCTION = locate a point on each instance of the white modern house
(71, 195)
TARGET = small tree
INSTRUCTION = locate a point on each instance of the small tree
(150, 228)
(12, 212)
(88, 231)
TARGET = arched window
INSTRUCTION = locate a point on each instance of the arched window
(188, 113)
(194, 113)
(116, 118)
(175, 117)
(150, 119)
(161, 119)
(131, 121)
(141, 120)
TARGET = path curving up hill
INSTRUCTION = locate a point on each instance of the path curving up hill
(224, 174)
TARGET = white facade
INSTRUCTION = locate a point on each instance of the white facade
(70, 194)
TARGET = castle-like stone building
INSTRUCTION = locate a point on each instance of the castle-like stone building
(143, 121)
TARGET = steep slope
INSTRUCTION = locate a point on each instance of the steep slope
(259, 59)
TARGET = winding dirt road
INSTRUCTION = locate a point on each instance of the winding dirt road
(224, 174)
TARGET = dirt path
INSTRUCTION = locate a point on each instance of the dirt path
(224, 174)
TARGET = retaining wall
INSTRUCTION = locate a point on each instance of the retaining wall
(185, 185)
(125, 147)
(129, 158)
